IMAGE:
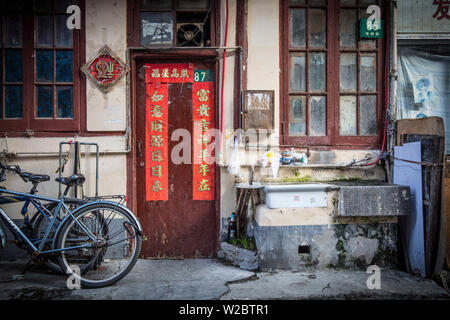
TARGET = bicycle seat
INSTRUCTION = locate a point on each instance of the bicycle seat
(73, 180)
(35, 177)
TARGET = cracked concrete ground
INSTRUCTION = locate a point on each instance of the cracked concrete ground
(210, 279)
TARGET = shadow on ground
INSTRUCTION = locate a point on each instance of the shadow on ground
(210, 279)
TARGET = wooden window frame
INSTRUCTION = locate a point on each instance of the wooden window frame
(333, 50)
(29, 47)
(13, 123)
(134, 30)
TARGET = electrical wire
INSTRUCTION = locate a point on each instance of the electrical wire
(223, 78)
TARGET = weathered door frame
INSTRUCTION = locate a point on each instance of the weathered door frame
(169, 55)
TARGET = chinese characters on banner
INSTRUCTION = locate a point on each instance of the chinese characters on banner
(169, 73)
(443, 9)
(157, 77)
(156, 142)
(203, 140)
(156, 132)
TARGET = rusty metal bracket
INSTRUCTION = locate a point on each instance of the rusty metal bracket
(29, 133)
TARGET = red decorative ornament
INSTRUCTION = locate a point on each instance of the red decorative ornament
(105, 69)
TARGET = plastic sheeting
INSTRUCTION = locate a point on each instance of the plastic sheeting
(424, 84)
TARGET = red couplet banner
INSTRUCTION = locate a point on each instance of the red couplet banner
(169, 73)
(156, 142)
(203, 140)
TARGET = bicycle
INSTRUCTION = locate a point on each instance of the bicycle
(34, 225)
(86, 237)
(37, 225)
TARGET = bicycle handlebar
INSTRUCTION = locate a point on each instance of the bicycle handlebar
(15, 169)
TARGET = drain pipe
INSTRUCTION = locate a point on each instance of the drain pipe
(393, 83)
(223, 78)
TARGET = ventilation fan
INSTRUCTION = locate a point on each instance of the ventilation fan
(190, 35)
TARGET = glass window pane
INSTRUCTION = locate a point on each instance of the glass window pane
(298, 2)
(366, 3)
(43, 5)
(156, 28)
(317, 28)
(64, 66)
(348, 2)
(317, 2)
(192, 4)
(64, 102)
(16, 5)
(44, 65)
(368, 72)
(318, 116)
(45, 31)
(368, 115)
(348, 72)
(347, 121)
(366, 43)
(13, 102)
(13, 31)
(317, 71)
(13, 66)
(348, 28)
(297, 115)
(157, 4)
(298, 28)
(1, 87)
(297, 72)
(61, 5)
(45, 102)
(63, 34)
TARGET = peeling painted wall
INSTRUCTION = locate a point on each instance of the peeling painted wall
(106, 24)
(112, 165)
(343, 246)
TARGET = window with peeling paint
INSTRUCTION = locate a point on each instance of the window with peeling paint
(44, 88)
(12, 66)
(54, 62)
(332, 91)
(307, 68)
(358, 66)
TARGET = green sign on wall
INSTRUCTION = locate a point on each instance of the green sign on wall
(203, 76)
(371, 28)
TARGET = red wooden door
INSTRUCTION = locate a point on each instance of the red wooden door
(178, 227)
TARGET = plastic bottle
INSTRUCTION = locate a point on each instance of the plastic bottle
(232, 227)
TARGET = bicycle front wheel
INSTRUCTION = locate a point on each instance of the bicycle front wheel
(103, 234)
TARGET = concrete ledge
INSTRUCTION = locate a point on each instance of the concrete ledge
(292, 216)
(379, 200)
